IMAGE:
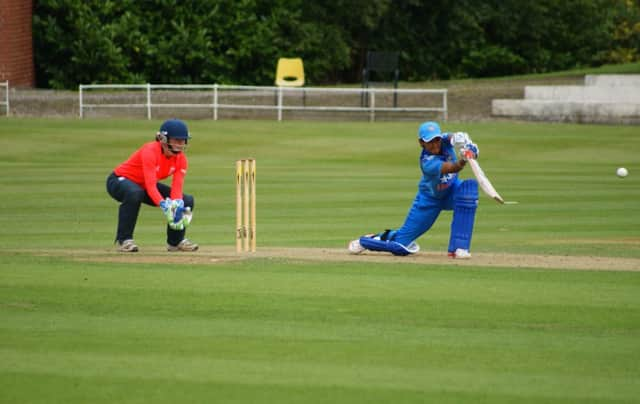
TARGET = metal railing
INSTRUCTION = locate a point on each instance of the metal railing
(6, 96)
(217, 98)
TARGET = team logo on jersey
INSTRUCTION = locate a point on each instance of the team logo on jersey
(445, 181)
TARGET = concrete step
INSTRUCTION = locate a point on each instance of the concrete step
(567, 111)
(582, 94)
(613, 80)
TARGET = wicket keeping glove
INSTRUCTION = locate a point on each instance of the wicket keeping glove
(469, 151)
(178, 215)
(182, 217)
(173, 211)
(186, 217)
(166, 205)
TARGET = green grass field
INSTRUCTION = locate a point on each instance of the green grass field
(80, 323)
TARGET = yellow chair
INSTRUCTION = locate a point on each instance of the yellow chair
(290, 72)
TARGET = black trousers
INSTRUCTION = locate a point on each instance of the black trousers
(131, 196)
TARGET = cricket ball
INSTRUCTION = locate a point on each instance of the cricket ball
(622, 172)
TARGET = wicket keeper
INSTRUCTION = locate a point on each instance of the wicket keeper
(136, 181)
(439, 189)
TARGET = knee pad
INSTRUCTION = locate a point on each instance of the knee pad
(188, 201)
(464, 213)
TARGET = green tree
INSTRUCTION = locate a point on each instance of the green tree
(239, 41)
(625, 46)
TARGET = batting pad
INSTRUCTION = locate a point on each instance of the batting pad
(394, 248)
(464, 213)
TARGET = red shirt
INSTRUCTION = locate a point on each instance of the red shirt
(148, 165)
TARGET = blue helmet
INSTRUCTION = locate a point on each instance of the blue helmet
(174, 128)
(428, 131)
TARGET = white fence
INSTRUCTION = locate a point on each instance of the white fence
(217, 98)
(6, 96)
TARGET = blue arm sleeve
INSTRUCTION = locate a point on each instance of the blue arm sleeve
(431, 166)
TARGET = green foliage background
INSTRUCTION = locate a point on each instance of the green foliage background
(239, 42)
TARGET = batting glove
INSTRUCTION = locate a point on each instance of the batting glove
(469, 151)
(459, 140)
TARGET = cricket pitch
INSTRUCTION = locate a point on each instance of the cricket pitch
(218, 254)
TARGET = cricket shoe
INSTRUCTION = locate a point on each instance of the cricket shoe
(184, 245)
(127, 246)
(355, 247)
(460, 254)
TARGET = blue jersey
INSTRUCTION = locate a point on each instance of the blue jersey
(433, 182)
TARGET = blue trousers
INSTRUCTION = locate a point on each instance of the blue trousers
(131, 196)
(424, 212)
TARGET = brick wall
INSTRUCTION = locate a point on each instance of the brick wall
(16, 44)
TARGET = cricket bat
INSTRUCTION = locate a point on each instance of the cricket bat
(484, 182)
